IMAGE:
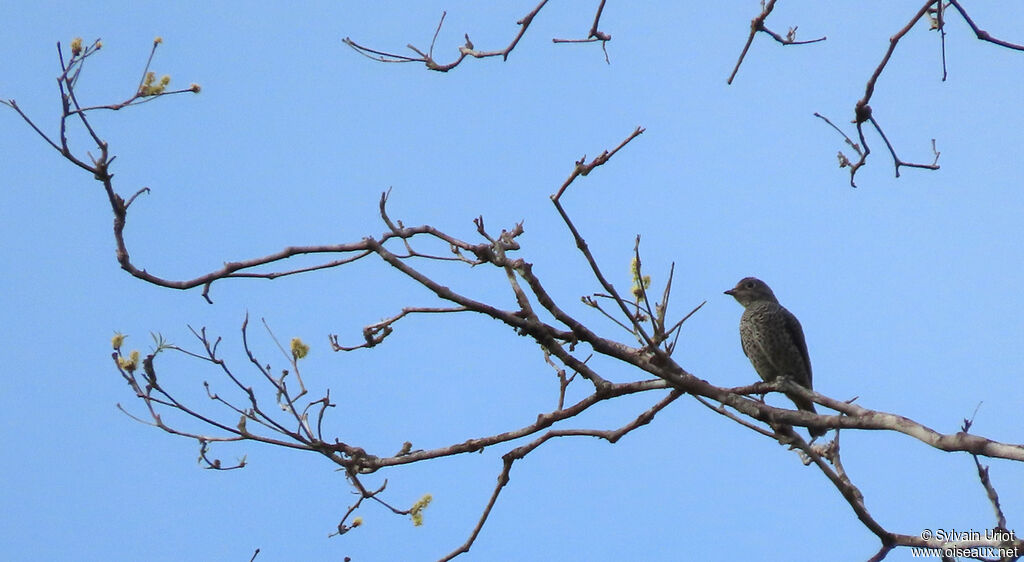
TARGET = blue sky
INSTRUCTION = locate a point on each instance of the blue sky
(908, 289)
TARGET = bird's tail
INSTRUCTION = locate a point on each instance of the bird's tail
(808, 406)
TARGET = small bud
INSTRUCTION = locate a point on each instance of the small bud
(117, 341)
(357, 521)
(157, 40)
(76, 46)
(165, 80)
(195, 88)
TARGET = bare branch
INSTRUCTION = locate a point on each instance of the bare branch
(594, 35)
(470, 50)
(756, 25)
(520, 452)
(375, 333)
(981, 33)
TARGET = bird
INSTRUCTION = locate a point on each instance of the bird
(773, 340)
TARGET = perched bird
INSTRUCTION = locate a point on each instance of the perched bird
(773, 340)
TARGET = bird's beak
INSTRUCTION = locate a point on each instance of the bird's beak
(730, 292)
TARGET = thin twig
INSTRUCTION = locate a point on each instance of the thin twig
(756, 25)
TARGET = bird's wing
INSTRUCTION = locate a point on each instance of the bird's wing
(796, 334)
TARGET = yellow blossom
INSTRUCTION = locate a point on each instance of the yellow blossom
(129, 363)
(416, 511)
(299, 349)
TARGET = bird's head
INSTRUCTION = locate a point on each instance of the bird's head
(750, 290)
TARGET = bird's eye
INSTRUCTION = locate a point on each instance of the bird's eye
(750, 284)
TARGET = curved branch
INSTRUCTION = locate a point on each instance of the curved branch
(465, 50)
(520, 452)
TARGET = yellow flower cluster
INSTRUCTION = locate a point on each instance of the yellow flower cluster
(150, 87)
(416, 511)
(129, 363)
(299, 349)
(639, 284)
